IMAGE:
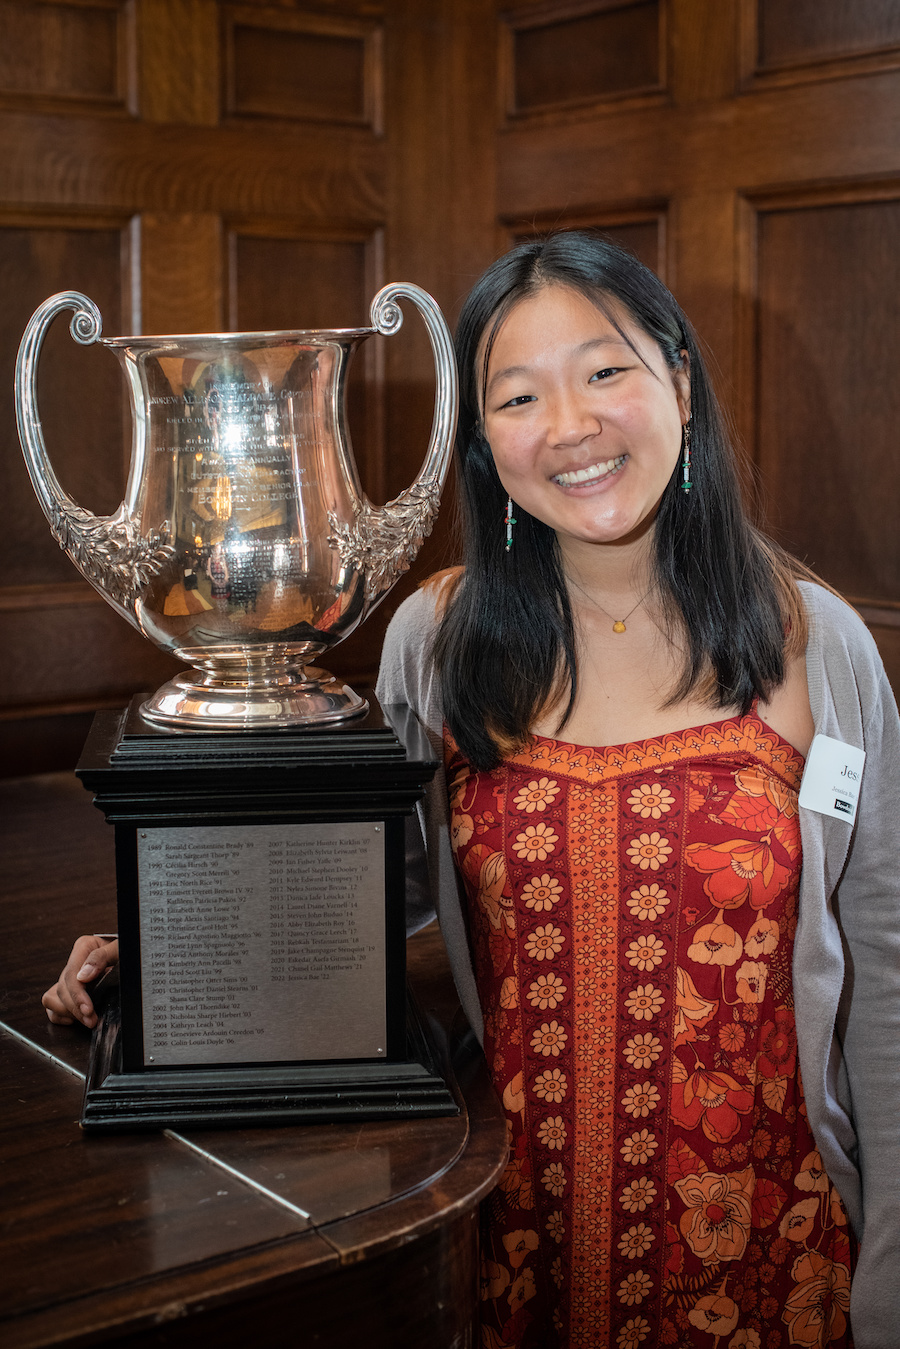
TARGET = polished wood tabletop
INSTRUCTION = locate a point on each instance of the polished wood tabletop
(325, 1235)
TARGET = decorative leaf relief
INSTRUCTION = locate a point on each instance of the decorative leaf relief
(382, 544)
(110, 551)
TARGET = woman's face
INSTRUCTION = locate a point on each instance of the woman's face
(585, 430)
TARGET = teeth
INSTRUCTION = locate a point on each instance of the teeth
(592, 474)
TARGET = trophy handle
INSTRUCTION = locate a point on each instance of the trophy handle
(108, 550)
(382, 543)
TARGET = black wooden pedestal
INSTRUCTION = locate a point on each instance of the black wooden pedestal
(371, 769)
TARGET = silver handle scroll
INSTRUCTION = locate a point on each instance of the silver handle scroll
(382, 542)
(109, 550)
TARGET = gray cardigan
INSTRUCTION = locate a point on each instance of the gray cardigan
(847, 947)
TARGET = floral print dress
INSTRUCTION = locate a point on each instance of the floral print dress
(631, 913)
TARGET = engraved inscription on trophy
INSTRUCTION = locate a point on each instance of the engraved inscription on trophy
(262, 943)
(238, 448)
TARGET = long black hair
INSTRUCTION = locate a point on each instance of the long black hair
(505, 649)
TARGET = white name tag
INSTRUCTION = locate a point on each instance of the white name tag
(832, 777)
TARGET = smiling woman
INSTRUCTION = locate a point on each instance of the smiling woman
(586, 408)
(626, 678)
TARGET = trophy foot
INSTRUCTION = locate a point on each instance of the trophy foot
(312, 697)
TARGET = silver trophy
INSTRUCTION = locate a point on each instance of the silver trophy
(244, 544)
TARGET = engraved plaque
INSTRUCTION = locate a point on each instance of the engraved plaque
(262, 943)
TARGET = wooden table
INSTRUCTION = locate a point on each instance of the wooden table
(332, 1235)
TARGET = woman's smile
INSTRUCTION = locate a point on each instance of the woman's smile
(595, 473)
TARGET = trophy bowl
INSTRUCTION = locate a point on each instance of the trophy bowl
(244, 544)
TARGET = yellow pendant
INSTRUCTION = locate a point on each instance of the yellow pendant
(618, 626)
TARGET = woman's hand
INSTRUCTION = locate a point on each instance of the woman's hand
(68, 1000)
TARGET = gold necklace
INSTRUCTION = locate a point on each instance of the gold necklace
(618, 624)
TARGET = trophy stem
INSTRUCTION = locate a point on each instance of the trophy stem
(273, 698)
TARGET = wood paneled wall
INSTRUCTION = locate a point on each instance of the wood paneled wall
(194, 164)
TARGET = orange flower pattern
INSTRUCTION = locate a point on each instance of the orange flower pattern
(632, 912)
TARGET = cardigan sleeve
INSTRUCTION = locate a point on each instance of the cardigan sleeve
(847, 962)
(867, 905)
(407, 676)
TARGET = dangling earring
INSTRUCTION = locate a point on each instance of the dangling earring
(509, 522)
(686, 483)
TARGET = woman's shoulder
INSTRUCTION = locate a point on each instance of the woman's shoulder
(842, 658)
(834, 622)
(420, 614)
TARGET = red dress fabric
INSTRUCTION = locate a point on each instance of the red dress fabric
(632, 912)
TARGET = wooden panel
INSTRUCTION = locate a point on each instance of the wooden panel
(70, 657)
(64, 162)
(182, 267)
(81, 390)
(560, 59)
(815, 30)
(315, 282)
(288, 65)
(297, 282)
(704, 42)
(704, 274)
(828, 399)
(70, 52)
(644, 237)
(803, 134)
(178, 61)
